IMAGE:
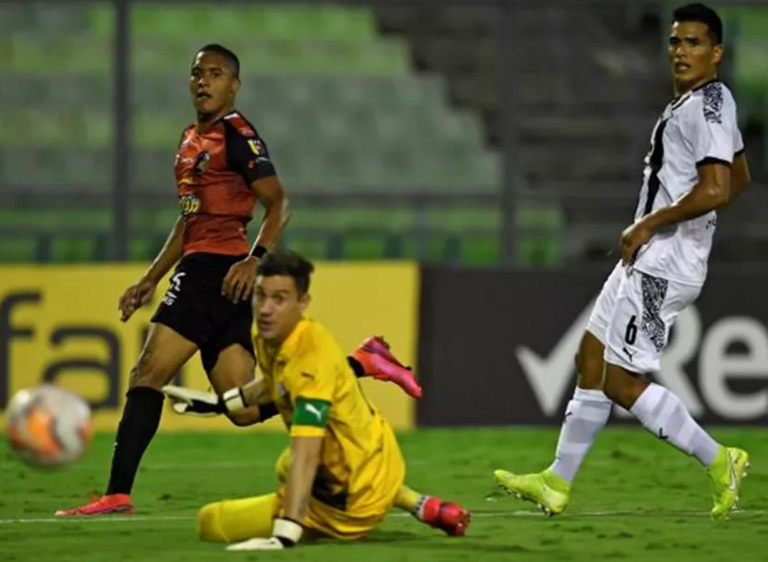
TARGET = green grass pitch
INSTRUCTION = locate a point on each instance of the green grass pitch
(636, 499)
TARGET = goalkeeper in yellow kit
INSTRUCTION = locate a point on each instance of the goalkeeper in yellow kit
(343, 470)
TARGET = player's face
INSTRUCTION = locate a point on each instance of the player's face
(278, 306)
(212, 85)
(693, 55)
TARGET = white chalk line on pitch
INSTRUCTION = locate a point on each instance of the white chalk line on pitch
(216, 465)
(480, 515)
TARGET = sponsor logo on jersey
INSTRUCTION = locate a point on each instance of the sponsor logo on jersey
(201, 162)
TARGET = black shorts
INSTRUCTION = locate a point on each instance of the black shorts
(194, 307)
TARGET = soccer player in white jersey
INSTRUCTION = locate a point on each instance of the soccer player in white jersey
(695, 165)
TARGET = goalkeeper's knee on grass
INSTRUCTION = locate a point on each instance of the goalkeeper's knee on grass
(209, 523)
(237, 520)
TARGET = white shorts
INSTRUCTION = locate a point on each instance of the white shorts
(633, 315)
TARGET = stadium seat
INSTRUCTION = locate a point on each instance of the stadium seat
(44, 169)
(58, 219)
(260, 20)
(12, 18)
(260, 55)
(158, 131)
(540, 235)
(748, 33)
(36, 53)
(18, 250)
(71, 249)
(359, 233)
(59, 18)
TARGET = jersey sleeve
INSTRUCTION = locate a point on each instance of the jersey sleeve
(738, 143)
(712, 128)
(248, 156)
(311, 385)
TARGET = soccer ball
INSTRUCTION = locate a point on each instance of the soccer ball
(48, 426)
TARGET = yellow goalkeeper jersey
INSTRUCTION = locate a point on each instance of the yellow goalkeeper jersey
(318, 395)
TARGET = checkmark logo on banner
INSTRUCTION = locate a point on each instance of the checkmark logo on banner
(550, 376)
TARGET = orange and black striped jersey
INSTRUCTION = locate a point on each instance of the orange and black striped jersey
(214, 172)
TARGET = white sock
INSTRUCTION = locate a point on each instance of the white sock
(586, 414)
(663, 414)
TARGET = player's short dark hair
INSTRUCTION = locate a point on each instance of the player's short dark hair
(229, 56)
(701, 14)
(289, 264)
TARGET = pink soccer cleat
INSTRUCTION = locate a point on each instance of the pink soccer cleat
(379, 362)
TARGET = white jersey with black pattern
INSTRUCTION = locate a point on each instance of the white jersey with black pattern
(697, 128)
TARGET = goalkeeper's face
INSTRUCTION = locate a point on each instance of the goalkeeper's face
(279, 307)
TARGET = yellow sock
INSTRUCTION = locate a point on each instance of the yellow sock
(410, 500)
(237, 520)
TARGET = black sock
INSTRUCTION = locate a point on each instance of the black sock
(356, 366)
(141, 417)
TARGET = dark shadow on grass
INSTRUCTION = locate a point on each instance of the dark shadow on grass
(472, 547)
(468, 546)
(421, 541)
(514, 509)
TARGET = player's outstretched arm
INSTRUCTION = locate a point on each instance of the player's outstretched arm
(238, 284)
(192, 401)
(255, 392)
(139, 294)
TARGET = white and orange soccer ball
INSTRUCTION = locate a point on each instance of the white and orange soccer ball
(48, 426)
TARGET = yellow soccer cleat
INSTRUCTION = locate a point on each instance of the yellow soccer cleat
(549, 491)
(726, 474)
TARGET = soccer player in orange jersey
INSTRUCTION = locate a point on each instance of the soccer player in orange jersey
(223, 168)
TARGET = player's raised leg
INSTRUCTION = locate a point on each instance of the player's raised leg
(646, 309)
(374, 358)
(585, 416)
(164, 352)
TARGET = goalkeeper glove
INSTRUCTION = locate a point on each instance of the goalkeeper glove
(285, 534)
(191, 401)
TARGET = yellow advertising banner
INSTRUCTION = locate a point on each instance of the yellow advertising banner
(60, 324)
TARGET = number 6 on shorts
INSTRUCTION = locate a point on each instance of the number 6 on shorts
(631, 334)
